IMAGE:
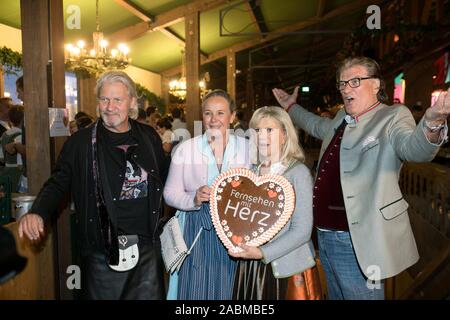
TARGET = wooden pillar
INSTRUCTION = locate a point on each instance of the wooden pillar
(414, 11)
(193, 109)
(165, 90)
(63, 230)
(35, 44)
(381, 47)
(231, 74)
(250, 90)
(426, 12)
(58, 93)
(87, 101)
(440, 10)
(389, 289)
(388, 42)
(418, 79)
(35, 17)
(412, 14)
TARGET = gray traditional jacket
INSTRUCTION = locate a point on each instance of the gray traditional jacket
(372, 152)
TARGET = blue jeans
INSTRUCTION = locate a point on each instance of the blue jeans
(345, 280)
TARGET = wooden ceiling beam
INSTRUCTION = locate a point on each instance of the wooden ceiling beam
(135, 10)
(301, 54)
(141, 14)
(321, 8)
(129, 33)
(164, 19)
(173, 16)
(254, 10)
(340, 11)
(170, 34)
(297, 54)
(299, 78)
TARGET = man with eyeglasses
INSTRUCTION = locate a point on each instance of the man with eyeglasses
(363, 228)
(115, 171)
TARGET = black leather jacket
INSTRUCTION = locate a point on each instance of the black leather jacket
(73, 173)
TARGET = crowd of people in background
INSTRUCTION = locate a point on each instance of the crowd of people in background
(12, 141)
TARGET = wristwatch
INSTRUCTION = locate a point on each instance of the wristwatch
(434, 128)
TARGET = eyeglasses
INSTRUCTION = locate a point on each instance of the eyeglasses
(353, 83)
(104, 101)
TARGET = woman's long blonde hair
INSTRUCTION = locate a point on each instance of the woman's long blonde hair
(291, 151)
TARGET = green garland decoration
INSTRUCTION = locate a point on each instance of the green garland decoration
(152, 98)
(11, 60)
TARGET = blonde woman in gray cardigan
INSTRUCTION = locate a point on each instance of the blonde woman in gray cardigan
(263, 271)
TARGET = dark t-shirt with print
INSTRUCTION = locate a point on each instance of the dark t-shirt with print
(128, 183)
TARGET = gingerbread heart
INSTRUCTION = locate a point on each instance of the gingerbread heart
(249, 208)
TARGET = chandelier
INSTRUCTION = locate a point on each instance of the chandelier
(98, 59)
(177, 87)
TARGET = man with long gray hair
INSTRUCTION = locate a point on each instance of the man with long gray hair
(115, 172)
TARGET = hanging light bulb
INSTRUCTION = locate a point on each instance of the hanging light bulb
(178, 87)
(97, 59)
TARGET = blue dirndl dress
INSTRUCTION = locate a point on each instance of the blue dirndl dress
(208, 272)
